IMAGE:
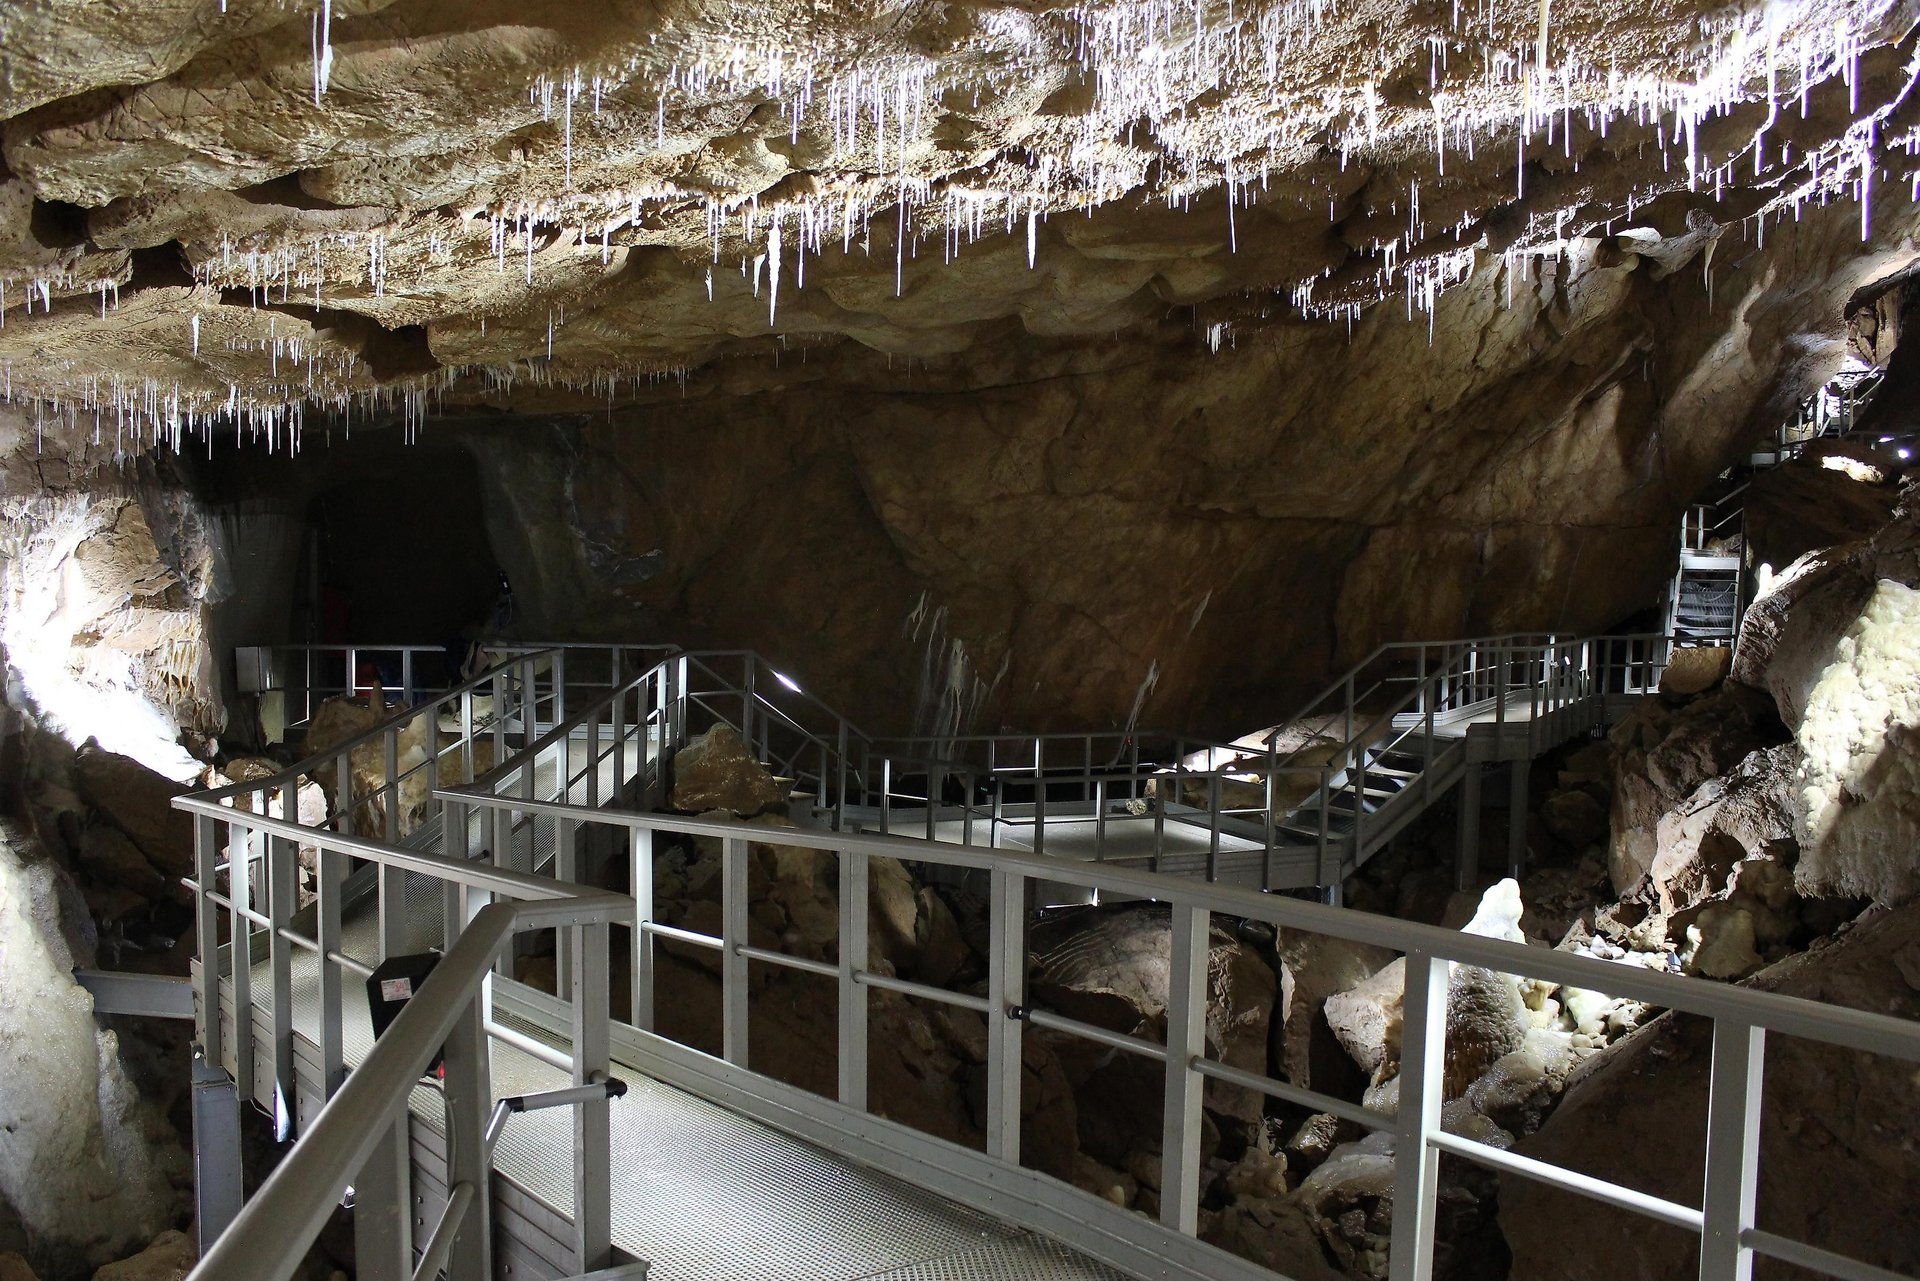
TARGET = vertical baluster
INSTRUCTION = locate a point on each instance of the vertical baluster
(332, 877)
(468, 1098)
(853, 994)
(206, 929)
(1039, 797)
(240, 931)
(282, 871)
(1416, 1164)
(1186, 1039)
(1733, 1150)
(640, 942)
(592, 1118)
(734, 965)
(1006, 997)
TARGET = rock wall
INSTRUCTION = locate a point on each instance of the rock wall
(109, 569)
(1836, 1137)
(1047, 534)
(90, 1169)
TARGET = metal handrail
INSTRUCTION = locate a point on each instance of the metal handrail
(367, 1106)
(1742, 1017)
(377, 732)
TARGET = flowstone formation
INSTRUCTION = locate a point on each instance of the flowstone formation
(218, 217)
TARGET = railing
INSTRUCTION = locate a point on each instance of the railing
(310, 674)
(359, 1135)
(1832, 410)
(1743, 1018)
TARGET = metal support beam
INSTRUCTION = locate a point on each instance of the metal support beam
(1466, 857)
(1517, 820)
(592, 1116)
(158, 996)
(217, 1191)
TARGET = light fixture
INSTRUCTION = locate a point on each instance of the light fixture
(786, 680)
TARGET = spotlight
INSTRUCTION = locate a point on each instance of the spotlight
(786, 680)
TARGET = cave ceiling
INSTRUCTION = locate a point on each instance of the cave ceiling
(236, 213)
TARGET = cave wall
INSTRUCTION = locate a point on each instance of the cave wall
(1040, 532)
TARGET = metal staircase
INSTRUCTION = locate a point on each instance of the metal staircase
(569, 1138)
(1710, 590)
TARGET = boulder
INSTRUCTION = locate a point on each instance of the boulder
(1486, 1012)
(1275, 1233)
(86, 1164)
(1575, 817)
(15, 1268)
(1720, 943)
(716, 772)
(1695, 669)
(1859, 736)
(1839, 1133)
(169, 1258)
(1314, 967)
(140, 803)
(109, 856)
(1365, 1019)
(1109, 967)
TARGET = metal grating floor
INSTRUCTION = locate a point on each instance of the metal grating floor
(702, 1193)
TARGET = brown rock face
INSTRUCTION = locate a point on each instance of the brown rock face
(140, 804)
(1837, 1135)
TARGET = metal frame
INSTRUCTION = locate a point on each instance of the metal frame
(357, 1135)
(357, 1130)
(1741, 1017)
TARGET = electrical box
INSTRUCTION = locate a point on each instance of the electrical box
(392, 985)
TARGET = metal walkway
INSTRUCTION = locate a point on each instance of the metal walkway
(703, 1193)
(568, 1140)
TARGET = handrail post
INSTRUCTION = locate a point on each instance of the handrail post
(734, 968)
(1416, 1163)
(640, 942)
(206, 924)
(853, 995)
(1186, 1039)
(840, 801)
(240, 932)
(1270, 820)
(282, 884)
(592, 1118)
(1006, 997)
(1213, 833)
(469, 1100)
(1733, 1150)
(557, 679)
(332, 872)
(390, 772)
(1039, 797)
(592, 780)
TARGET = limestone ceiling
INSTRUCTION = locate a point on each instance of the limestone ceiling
(225, 212)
